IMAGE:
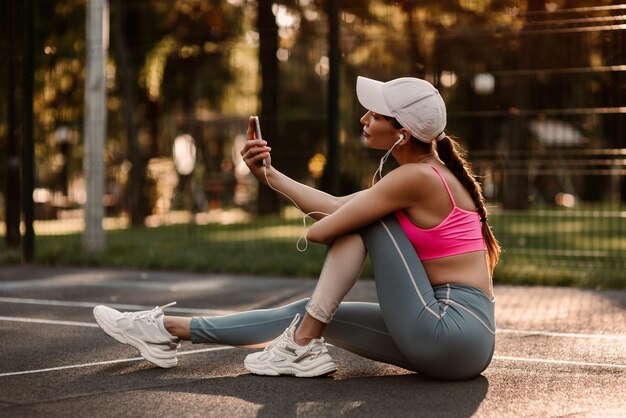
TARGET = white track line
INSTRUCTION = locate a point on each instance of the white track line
(222, 312)
(500, 331)
(103, 363)
(183, 353)
(560, 362)
(206, 350)
(91, 305)
(561, 334)
(48, 321)
(119, 306)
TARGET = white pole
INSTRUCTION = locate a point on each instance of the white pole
(95, 122)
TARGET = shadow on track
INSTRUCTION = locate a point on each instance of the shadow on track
(403, 395)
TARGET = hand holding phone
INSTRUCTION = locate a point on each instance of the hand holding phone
(257, 127)
(257, 133)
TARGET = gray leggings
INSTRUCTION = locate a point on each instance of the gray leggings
(445, 332)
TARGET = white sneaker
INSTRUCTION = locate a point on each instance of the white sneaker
(284, 356)
(141, 330)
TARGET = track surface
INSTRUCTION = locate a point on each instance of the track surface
(559, 352)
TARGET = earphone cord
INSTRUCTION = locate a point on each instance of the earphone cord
(305, 215)
(382, 162)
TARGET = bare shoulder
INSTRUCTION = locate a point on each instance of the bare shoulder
(411, 175)
(422, 169)
(410, 171)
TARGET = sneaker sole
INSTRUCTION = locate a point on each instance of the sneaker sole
(135, 343)
(324, 369)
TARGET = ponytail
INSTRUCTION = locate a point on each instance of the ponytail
(453, 155)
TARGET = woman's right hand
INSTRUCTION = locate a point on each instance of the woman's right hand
(255, 152)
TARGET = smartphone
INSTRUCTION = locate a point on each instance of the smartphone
(257, 127)
(257, 132)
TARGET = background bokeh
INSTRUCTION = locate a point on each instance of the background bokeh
(535, 92)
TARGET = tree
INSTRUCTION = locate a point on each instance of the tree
(12, 196)
(164, 52)
(411, 28)
(268, 201)
(124, 23)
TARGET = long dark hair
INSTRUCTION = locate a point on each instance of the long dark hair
(453, 156)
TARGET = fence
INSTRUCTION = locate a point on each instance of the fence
(534, 90)
(574, 229)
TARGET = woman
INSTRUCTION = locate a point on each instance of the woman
(424, 226)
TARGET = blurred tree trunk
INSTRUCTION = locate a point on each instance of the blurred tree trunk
(515, 191)
(12, 180)
(331, 179)
(124, 25)
(418, 68)
(268, 201)
(615, 127)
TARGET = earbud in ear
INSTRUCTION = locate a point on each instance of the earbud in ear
(401, 137)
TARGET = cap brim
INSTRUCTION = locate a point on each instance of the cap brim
(370, 95)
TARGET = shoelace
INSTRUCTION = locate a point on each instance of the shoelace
(149, 315)
(274, 342)
(280, 337)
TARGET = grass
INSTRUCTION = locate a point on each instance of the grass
(264, 246)
(251, 248)
(541, 248)
(572, 248)
(9, 255)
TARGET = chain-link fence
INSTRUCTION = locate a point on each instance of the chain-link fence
(534, 91)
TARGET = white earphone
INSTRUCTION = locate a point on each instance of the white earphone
(303, 236)
(382, 160)
(400, 139)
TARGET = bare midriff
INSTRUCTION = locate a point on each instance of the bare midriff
(468, 268)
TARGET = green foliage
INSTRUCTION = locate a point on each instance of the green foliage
(9, 255)
(197, 66)
(540, 248)
(198, 62)
(209, 248)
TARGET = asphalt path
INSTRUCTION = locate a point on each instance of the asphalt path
(559, 352)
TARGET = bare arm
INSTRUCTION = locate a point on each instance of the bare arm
(397, 190)
(307, 198)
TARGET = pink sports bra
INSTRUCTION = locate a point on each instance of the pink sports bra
(459, 233)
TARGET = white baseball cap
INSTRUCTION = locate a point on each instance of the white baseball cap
(414, 103)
